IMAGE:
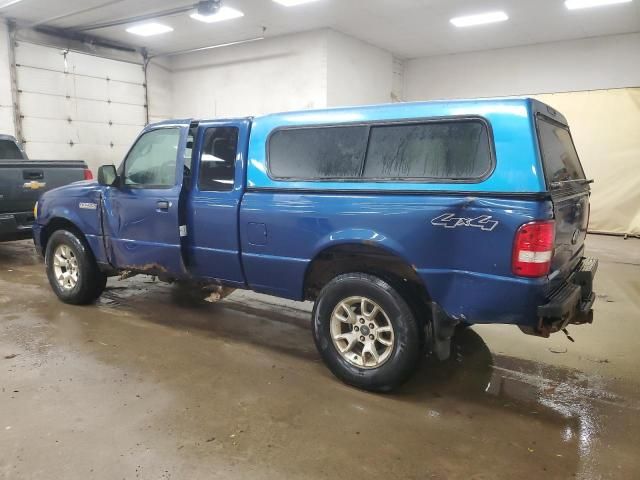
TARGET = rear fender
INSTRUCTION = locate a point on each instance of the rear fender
(363, 236)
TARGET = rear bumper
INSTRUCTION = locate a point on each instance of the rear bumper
(572, 303)
(15, 226)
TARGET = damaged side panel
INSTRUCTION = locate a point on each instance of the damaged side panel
(141, 215)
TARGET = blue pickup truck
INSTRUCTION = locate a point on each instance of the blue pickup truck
(400, 222)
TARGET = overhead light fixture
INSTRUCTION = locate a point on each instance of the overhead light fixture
(481, 19)
(210, 47)
(224, 13)
(577, 4)
(9, 3)
(148, 29)
(293, 3)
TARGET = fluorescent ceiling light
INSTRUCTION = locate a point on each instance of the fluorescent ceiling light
(225, 13)
(148, 29)
(293, 3)
(576, 4)
(481, 19)
(9, 3)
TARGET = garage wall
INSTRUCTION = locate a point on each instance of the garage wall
(587, 64)
(277, 74)
(587, 81)
(160, 91)
(78, 106)
(357, 73)
(6, 102)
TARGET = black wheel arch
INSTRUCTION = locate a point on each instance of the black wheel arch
(365, 258)
(336, 260)
(59, 223)
(373, 260)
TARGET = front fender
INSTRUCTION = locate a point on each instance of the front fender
(82, 212)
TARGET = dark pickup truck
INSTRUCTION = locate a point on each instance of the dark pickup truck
(22, 181)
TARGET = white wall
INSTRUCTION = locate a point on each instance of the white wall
(587, 64)
(6, 102)
(277, 74)
(357, 73)
(159, 90)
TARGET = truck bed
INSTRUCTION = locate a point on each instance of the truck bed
(21, 184)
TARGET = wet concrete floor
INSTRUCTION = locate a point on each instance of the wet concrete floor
(149, 385)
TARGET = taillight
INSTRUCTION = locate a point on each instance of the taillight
(533, 249)
(87, 174)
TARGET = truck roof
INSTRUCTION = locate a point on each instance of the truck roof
(438, 108)
(407, 110)
(517, 167)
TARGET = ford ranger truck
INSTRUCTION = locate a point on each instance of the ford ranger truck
(22, 181)
(399, 221)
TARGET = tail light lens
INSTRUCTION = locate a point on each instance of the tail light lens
(87, 174)
(533, 249)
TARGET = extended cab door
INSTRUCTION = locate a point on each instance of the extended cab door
(141, 214)
(217, 184)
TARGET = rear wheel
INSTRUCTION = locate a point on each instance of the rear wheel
(72, 270)
(366, 332)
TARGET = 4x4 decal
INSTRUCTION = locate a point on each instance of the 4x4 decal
(449, 220)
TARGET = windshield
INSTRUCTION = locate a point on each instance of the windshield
(559, 155)
(9, 150)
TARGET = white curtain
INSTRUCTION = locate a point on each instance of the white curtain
(606, 130)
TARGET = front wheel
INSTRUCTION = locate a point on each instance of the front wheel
(366, 332)
(72, 269)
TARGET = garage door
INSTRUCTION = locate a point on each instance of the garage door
(76, 106)
(606, 129)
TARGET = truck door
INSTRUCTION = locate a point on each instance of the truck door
(141, 215)
(217, 183)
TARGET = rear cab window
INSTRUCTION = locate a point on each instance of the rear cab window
(217, 159)
(422, 151)
(9, 150)
(560, 159)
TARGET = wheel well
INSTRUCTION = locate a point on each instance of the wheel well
(369, 259)
(57, 224)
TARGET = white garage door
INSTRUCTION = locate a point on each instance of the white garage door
(76, 106)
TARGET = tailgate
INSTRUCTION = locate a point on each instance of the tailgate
(22, 182)
(570, 192)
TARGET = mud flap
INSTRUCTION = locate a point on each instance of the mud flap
(444, 328)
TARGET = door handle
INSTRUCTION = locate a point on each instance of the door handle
(32, 174)
(163, 205)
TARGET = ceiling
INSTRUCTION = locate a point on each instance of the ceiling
(408, 28)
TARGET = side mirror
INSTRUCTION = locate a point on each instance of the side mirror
(107, 175)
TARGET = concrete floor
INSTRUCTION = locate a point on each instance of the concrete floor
(148, 385)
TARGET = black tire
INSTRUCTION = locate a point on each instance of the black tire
(91, 281)
(405, 355)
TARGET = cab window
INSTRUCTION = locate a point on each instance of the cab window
(218, 159)
(151, 163)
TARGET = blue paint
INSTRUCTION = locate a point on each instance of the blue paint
(264, 233)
